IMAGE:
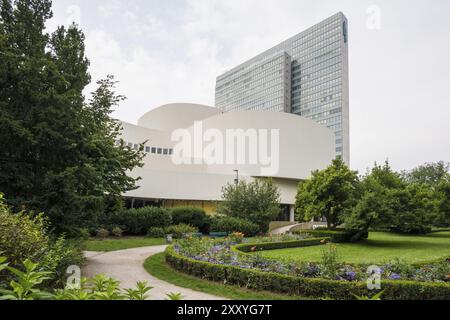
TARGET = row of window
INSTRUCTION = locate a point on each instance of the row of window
(152, 150)
(306, 78)
(319, 96)
(307, 53)
(318, 31)
(247, 70)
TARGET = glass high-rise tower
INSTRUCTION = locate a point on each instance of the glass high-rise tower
(305, 75)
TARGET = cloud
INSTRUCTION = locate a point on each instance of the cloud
(172, 51)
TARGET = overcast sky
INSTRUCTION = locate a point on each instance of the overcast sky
(165, 51)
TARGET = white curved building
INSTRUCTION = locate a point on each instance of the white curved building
(193, 151)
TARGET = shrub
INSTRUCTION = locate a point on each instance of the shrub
(249, 247)
(336, 236)
(24, 236)
(117, 232)
(156, 232)
(27, 286)
(102, 233)
(232, 225)
(138, 221)
(257, 201)
(84, 233)
(192, 216)
(304, 287)
(180, 230)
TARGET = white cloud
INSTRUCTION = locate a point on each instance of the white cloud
(172, 51)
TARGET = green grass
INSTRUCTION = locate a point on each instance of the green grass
(157, 267)
(379, 248)
(110, 244)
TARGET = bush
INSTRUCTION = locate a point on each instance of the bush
(301, 286)
(232, 225)
(84, 233)
(24, 236)
(180, 230)
(248, 247)
(192, 216)
(257, 201)
(116, 232)
(336, 236)
(156, 232)
(102, 233)
(138, 221)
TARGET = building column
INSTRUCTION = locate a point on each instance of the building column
(292, 214)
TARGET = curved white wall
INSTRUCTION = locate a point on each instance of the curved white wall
(304, 146)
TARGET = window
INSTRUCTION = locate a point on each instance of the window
(147, 149)
(136, 147)
(171, 151)
(165, 151)
(154, 150)
(160, 150)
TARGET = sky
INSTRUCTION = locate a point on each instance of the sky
(166, 51)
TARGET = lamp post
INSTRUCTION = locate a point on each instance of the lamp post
(236, 181)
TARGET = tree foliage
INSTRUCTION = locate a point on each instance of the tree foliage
(257, 201)
(59, 152)
(329, 193)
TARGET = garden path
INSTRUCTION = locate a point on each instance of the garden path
(126, 266)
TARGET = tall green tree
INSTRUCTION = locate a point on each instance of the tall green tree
(59, 153)
(257, 201)
(430, 173)
(329, 193)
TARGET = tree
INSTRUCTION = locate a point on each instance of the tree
(430, 173)
(329, 193)
(443, 190)
(59, 153)
(257, 201)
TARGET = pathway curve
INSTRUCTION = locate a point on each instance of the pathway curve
(127, 267)
(283, 230)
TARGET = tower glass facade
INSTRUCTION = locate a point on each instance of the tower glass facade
(306, 75)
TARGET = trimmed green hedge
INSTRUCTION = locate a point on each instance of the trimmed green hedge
(305, 287)
(280, 245)
(337, 236)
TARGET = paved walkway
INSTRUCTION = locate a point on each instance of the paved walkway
(126, 266)
(283, 230)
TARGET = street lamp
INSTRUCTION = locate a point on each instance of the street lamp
(236, 181)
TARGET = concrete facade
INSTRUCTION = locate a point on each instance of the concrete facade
(304, 146)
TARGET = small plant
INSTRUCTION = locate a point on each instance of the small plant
(375, 297)
(237, 237)
(102, 233)
(174, 296)
(25, 287)
(330, 261)
(117, 232)
(156, 232)
(140, 293)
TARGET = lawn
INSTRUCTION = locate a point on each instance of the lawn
(379, 248)
(157, 267)
(113, 244)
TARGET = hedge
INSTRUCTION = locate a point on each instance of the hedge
(192, 216)
(337, 236)
(139, 221)
(304, 287)
(280, 245)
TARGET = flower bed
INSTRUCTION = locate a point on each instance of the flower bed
(218, 260)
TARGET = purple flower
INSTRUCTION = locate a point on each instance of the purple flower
(350, 275)
(395, 276)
